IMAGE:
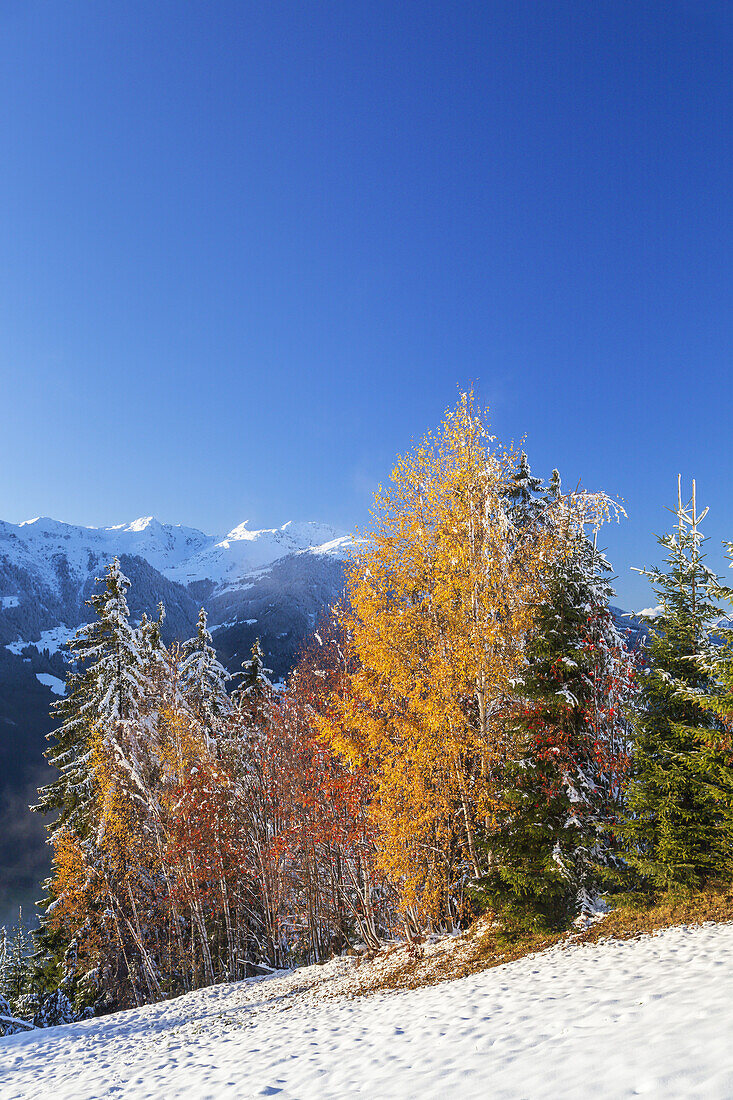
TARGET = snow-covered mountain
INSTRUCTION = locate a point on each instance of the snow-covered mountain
(48, 568)
(183, 554)
(229, 561)
(39, 543)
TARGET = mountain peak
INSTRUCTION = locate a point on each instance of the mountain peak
(241, 531)
(42, 522)
(143, 523)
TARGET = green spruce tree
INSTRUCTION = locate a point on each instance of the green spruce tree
(254, 691)
(17, 968)
(526, 495)
(150, 633)
(676, 831)
(569, 720)
(715, 664)
(203, 678)
(105, 686)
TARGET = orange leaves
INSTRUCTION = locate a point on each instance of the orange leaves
(205, 839)
(74, 891)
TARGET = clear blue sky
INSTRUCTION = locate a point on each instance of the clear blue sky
(249, 251)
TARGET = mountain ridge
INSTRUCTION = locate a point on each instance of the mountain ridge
(180, 552)
(48, 567)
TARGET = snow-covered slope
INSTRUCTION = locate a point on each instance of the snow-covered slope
(229, 561)
(183, 554)
(652, 1017)
(38, 544)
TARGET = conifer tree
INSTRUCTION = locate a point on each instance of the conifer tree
(17, 964)
(254, 680)
(17, 996)
(151, 640)
(4, 959)
(561, 789)
(676, 830)
(106, 684)
(104, 689)
(715, 664)
(203, 678)
(524, 493)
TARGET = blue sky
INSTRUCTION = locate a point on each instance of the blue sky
(249, 252)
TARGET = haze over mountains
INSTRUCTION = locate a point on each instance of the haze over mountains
(272, 583)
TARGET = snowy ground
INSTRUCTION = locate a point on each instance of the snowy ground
(651, 1017)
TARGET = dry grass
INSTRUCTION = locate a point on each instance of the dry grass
(479, 948)
(629, 919)
(484, 945)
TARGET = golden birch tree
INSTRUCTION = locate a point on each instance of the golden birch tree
(442, 593)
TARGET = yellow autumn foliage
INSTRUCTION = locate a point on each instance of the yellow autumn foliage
(442, 595)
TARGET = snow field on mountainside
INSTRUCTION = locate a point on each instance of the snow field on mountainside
(58, 687)
(181, 553)
(650, 1017)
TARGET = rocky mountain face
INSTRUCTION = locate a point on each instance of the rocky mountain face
(272, 584)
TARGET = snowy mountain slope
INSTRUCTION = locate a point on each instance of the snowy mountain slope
(48, 568)
(182, 554)
(280, 606)
(37, 544)
(228, 562)
(48, 609)
(649, 1017)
